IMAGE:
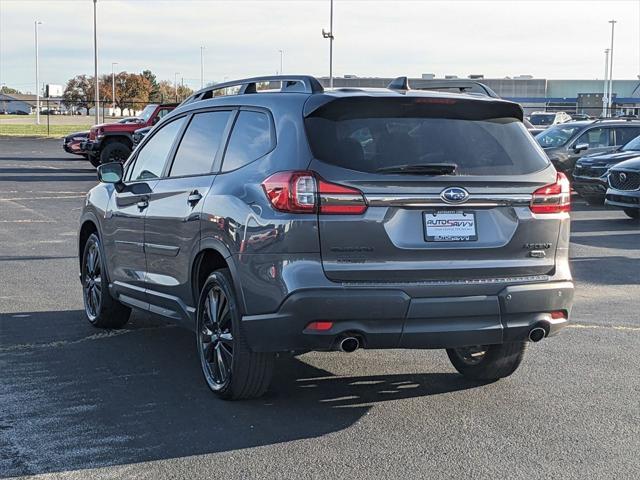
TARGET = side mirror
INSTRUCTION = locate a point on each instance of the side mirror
(111, 172)
(580, 147)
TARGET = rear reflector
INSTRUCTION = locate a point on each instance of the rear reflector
(320, 326)
(558, 314)
(553, 198)
(305, 192)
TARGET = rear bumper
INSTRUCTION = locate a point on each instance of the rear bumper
(390, 318)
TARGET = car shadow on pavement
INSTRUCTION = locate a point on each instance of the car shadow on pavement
(82, 398)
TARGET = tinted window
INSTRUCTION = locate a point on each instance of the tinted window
(542, 118)
(151, 158)
(199, 144)
(477, 147)
(557, 136)
(250, 140)
(596, 138)
(633, 145)
(625, 134)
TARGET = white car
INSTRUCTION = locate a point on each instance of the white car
(546, 119)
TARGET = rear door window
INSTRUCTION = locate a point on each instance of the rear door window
(250, 139)
(199, 144)
(625, 134)
(500, 146)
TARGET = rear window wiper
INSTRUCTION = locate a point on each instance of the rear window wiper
(421, 169)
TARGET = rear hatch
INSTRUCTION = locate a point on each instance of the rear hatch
(447, 182)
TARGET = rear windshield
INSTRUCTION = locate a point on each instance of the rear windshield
(500, 146)
(542, 118)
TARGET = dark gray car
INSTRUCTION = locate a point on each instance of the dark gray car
(564, 144)
(297, 218)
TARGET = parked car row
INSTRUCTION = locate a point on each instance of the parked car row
(587, 151)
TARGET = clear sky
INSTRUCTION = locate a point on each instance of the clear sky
(385, 38)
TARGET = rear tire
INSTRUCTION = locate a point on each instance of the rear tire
(101, 309)
(633, 213)
(115, 151)
(232, 371)
(487, 362)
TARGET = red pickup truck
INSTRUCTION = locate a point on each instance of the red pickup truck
(113, 142)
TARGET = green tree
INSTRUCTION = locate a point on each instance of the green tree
(9, 90)
(154, 94)
(78, 93)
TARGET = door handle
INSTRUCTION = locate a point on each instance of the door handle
(194, 197)
(142, 204)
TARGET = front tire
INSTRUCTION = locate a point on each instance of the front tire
(232, 371)
(487, 362)
(101, 309)
(115, 151)
(632, 213)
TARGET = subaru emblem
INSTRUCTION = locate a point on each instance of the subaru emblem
(454, 195)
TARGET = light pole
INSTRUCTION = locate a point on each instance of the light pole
(95, 62)
(201, 67)
(113, 89)
(35, 24)
(613, 24)
(329, 35)
(175, 83)
(605, 98)
(281, 55)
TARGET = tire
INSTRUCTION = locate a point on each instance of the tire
(220, 341)
(95, 161)
(632, 213)
(101, 309)
(115, 151)
(497, 361)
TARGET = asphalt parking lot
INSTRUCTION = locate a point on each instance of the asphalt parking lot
(76, 402)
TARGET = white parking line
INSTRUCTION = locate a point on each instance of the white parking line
(40, 198)
(604, 327)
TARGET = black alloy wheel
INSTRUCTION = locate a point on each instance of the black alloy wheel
(215, 338)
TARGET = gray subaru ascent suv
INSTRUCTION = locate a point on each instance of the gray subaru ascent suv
(283, 217)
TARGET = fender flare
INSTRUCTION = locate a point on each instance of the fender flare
(217, 245)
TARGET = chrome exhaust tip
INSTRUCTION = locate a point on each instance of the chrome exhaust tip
(537, 334)
(349, 344)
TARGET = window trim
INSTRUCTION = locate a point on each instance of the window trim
(272, 132)
(223, 140)
(134, 159)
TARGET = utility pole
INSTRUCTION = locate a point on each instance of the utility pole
(613, 24)
(175, 84)
(95, 62)
(281, 55)
(201, 67)
(329, 35)
(36, 23)
(113, 89)
(605, 97)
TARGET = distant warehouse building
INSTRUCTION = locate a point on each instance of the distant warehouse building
(579, 96)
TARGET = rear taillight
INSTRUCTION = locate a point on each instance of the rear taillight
(305, 192)
(553, 198)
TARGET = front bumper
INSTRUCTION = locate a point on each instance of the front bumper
(90, 146)
(390, 318)
(623, 198)
(590, 186)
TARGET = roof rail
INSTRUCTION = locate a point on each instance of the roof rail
(289, 83)
(461, 85)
